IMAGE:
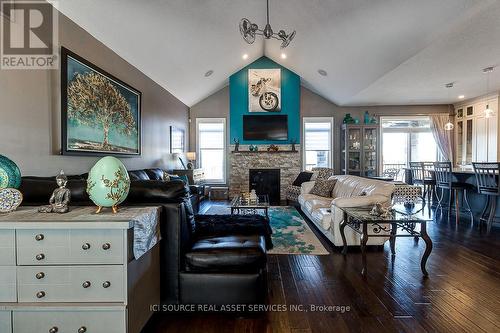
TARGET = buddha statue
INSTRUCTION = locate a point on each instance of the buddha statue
(60, 198)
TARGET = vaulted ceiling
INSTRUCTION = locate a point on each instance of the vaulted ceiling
(375, 52)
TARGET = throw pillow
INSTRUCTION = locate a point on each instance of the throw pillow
(303, 177)
(324, 173)
(323, 187)
(166, 176)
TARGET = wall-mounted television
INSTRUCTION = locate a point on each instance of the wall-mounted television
(265, 128)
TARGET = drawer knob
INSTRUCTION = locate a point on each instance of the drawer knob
(54, 329)
(106, 284)
(40, 256)
(40, 275)
(106, 246)
(86, 246)
(40, 294)
(82, 329)
(39, 237)
(86, 284)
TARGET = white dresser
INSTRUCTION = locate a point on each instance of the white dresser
(78, 272)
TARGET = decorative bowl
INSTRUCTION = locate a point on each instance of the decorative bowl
(10, 175)
(10, 199)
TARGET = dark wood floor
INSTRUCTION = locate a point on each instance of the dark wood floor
(462, 293)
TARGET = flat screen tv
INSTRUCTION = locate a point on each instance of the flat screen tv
(268, 128)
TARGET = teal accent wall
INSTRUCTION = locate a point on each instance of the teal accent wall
(238, 101)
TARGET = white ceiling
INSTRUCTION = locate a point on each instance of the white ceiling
(376, 52)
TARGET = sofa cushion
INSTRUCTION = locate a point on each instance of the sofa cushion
(323, 187)
(227, 254)
(311, 202)
(138, 175)
(154, 174)
(351, 186)
(304, 176)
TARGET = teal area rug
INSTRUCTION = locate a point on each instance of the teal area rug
(291, 234)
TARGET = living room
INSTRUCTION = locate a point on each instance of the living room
(263, 166)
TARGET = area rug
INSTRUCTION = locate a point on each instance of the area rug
(291, 234)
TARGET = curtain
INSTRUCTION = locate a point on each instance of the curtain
(442, 137)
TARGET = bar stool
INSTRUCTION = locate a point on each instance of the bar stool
(444, 181)
(487, 184)
(421, 173)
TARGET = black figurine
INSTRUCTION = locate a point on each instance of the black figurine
(236, 144)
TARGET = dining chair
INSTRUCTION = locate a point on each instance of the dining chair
(422, 174)
(444, 181)
(488, 184)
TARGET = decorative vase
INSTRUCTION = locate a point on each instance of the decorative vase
(108, 183)
(367, 117)
(10, 175)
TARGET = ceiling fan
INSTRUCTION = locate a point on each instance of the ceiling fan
(249, 30)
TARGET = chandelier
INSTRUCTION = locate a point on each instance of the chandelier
(249, 30)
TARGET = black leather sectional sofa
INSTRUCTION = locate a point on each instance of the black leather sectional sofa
(205, 259)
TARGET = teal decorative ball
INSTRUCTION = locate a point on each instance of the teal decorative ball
(10, 175)
(108, 183)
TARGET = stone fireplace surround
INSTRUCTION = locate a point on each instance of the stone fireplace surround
(241, 162)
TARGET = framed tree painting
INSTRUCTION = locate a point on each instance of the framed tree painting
(264, 90)
(101, 115)
(176, 140)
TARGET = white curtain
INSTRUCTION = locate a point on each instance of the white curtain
(442, 137)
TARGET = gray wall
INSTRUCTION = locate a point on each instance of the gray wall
(311, 105)
(30, 121)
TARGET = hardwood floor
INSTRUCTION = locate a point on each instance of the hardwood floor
(462, 293)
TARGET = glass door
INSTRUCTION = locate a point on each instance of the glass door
(354, 151)
(460, 141)
(370, 152)
(468, 141)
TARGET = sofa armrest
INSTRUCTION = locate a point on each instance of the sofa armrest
(306, 187)
(359, 201)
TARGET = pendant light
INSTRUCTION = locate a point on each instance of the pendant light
(449, 125)
(488, 112)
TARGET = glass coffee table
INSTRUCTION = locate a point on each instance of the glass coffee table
(359, 218)
(243, 205)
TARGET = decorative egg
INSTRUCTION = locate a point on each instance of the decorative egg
(10, 176)
(108, 183)
(10, 199)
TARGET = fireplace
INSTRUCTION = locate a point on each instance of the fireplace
(266, 181)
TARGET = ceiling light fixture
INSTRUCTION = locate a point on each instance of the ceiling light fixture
(208, 73)
(322, 72)
(461, 96)
(249, 30)
(245, 56)
(283, 56)
(449, 125)
(488, 112)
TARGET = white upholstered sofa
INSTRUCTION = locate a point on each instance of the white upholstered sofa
(349, 191)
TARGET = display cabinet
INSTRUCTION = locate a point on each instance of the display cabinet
(360, 150)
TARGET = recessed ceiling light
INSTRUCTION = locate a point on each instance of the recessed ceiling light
(245, 56)
(283, 56)
(208, 73)
(322, 72)
(461, 96)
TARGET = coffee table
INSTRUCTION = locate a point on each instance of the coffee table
(358, 219)
(242, 205)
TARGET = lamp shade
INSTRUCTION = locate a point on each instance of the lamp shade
(191, 156)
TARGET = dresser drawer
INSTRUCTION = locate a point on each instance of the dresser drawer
(46, 247)
(7, 248)
(62, 321)
(5, 321)
(8, 284)
(71, 283)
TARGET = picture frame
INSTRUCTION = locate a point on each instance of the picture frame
(264, 90)
(177, 140)
(93, 130)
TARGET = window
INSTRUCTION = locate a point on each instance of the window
(211, 146)
(317, 142)
(406, 139)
